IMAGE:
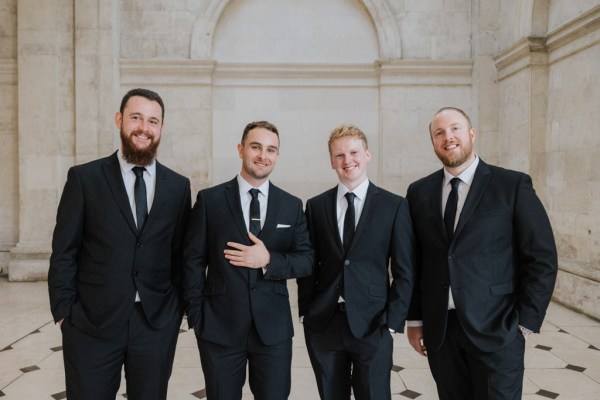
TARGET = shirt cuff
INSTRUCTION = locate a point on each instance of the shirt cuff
(525, 331)
(414, 324)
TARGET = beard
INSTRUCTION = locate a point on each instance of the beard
(136, 156)
(457, 159)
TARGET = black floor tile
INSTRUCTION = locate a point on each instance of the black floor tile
(410, 394)
(575, 368)
(201, 394)
(59, 396)
(397, 368)
(29, 369)
(547, 393)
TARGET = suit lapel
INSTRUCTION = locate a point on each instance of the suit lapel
(114, 177)
(272, 210)
(370, 203)
(478, 188)
(232, 195)
(331, 215)
(160, 195)
(436, 202)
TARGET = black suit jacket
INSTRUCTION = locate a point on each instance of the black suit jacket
(98, 258)
(501, 263)
(222, 299)
(383, 242)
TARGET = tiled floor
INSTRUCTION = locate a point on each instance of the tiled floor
(563, 362)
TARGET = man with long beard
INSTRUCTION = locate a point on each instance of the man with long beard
(486, 268)
(115, 270)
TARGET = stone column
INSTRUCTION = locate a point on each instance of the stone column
(45, 59)
(68, 93)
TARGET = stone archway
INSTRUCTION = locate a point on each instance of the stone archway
(381, 14)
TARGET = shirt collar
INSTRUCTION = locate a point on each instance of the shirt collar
(360, 191)
(466, 176)
(126, 167)
(245, 186)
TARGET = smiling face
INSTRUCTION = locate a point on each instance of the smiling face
(259, 152)
(452, 138)
(140, 126)
(349, 158)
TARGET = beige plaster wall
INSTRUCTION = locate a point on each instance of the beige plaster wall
(562, 11)
(548, 112)
(9, 206)
(525, 70)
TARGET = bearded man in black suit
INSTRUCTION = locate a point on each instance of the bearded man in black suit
(486, 269)
(115, 271)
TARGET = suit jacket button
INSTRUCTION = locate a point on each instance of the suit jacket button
(347, 262)
(137, 273)
(444, 287)
(252, 287)
(139, 245)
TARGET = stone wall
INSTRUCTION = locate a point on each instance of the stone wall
(9, 195)
(525, 70)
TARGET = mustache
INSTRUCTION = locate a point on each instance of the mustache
(137, 156)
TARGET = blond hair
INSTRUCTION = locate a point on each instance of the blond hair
(347, 130)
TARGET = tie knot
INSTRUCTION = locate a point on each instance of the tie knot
(350, 198)
(138, 171)
(455, 182)
(254, 193)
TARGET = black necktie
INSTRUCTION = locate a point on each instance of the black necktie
(349, 221)
(254, 212)
(450, 211)
(139, 194)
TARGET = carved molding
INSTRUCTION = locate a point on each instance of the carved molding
(426, 73)
(166, 72)
(570, 38)
(286, 75)
(522, 54)
(574, 36)
(202, 38)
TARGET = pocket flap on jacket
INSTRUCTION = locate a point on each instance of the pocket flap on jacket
(281, 289)
(378, 290)
(502, 288)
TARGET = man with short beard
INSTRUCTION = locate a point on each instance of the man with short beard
(486, 267)
(115, 271)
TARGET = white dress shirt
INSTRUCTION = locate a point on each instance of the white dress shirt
(466, 179)
(360, 193)
(246, 197)
(129, 181)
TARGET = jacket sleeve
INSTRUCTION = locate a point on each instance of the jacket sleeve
(306, 284)
(195, 261)
(66, 242)
(537, 256)
(402, 263)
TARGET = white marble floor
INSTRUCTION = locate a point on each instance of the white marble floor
(563, 362)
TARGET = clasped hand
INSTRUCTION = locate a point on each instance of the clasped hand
(255, 256)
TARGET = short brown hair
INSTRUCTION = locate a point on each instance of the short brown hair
(259, 124)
